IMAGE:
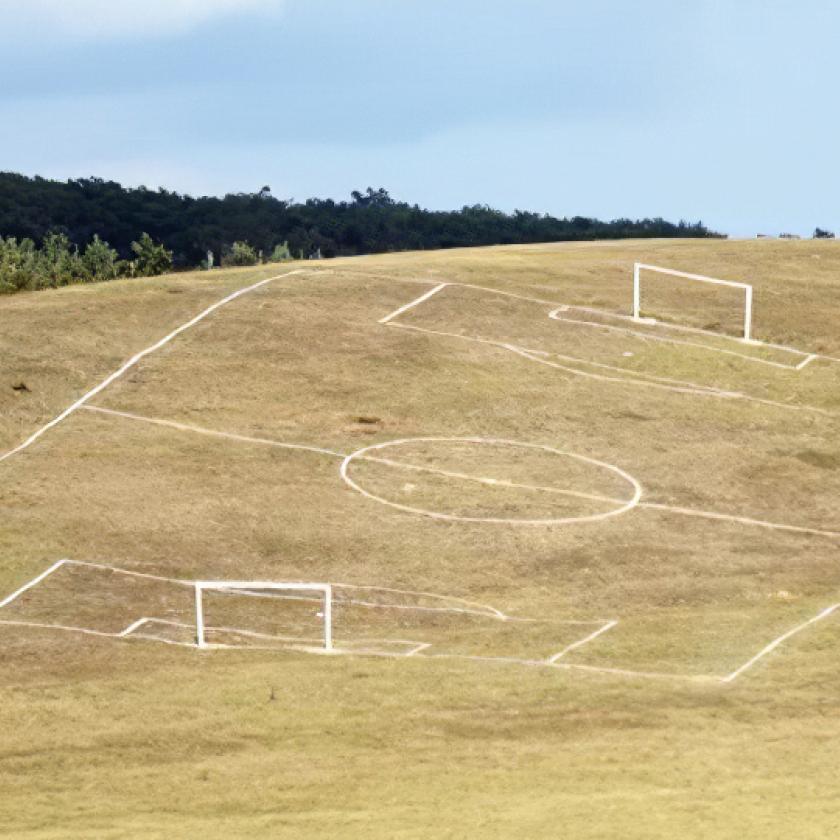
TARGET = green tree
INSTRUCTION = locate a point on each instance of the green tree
(100, 260)
(150, 259)
(59, 262)
(18, 265)
(281, 253)
(240, 253)
(371, 221)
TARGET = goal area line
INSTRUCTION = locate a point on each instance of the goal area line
(802, 357)
(415, 649)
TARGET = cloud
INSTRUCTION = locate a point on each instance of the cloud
(105, 19)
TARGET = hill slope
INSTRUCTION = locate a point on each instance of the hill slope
(554, 533)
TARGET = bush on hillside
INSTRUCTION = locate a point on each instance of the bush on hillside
(150, 259)
(281, 253)
(240, 253)
(58, 262)
(100, 260)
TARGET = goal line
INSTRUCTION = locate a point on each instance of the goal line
(638, 268)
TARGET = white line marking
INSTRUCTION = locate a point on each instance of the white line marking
(413, 303)
(631, 377)
(776, 642)
(418, 648)
(621, 317)
(806, 361)
(389, 462)
(417, 653)
(481, 610)
(626, 672)
(495, 482)
(478, 609)
(742, 520)
(623, 370)
(484, 612)
(580, 308)
(668, 340)
(42, 626)
(386, 461)
(415, 645)
(745, 287)
(568, 666)
(135, 359)
(650, 505)
(148, 637)
(34, 582)
(185, 427)
(491, 612)
(575, 645)
(119, 571)
(625, 506)
(702, 278)
(557, 308)
(132, 627)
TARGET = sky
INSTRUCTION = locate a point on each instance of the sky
(716, 110)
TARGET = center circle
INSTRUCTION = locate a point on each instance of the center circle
(618, 506)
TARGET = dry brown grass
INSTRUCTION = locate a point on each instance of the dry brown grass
(123, 739)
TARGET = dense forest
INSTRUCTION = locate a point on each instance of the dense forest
(370, 222)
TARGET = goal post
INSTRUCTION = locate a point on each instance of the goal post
(257, 587)
(638, 268)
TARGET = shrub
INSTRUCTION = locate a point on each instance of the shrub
(18, 265)
(58, 262)
(100, 260)
(281, 253)
(240, 253)
(151, 259)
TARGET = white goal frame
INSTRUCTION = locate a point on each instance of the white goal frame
(638, 268)
(252, 587)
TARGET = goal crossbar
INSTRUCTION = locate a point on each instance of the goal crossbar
(254, 587)
(638, 268)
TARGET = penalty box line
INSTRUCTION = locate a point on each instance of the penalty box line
(417, 652)
(413, 303)
(558, 308)
(630, 378)
(467, 607)
(134, 360)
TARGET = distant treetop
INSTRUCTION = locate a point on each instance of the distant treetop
(371, 222)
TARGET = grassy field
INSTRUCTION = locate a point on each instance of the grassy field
(489, 410)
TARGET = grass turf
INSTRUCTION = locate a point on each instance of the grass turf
(121, 739)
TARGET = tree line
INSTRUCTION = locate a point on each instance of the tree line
(58, 262)
(90, 228)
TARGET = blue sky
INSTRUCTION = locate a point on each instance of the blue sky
(695, 109)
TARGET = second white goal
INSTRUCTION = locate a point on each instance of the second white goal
(299, 614)
(733, 310)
